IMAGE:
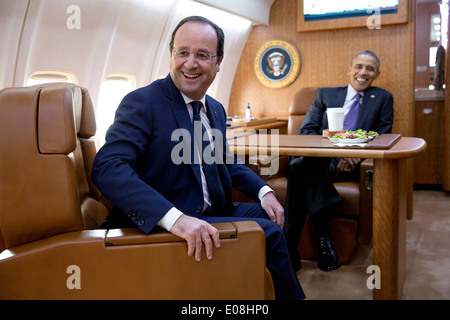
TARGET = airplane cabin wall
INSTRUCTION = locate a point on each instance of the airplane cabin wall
(12, 14)
(126, 37)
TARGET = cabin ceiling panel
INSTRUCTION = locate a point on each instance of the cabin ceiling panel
(136, 38)
(257, 11)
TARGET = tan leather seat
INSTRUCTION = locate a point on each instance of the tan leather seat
(352, 221)
(50, 212)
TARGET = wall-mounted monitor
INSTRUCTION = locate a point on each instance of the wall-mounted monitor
(316, 15)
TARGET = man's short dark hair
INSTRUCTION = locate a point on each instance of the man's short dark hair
(202, 20)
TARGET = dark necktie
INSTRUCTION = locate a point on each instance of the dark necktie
(352, 115)
(210, 170)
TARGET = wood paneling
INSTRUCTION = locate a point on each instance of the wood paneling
(325, 56)
(429, 118)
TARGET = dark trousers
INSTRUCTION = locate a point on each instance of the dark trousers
(278, 262)
(310, 190)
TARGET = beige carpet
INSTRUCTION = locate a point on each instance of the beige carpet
(427, 259)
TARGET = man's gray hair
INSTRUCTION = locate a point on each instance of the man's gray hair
(369, 53)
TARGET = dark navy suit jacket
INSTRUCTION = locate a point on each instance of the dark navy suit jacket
(135, 171)
(375, 113)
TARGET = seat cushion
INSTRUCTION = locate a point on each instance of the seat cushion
(349, 192)
(343, 234)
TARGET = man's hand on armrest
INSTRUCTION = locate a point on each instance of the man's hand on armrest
(197, 233)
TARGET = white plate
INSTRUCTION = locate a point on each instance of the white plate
(349, 141)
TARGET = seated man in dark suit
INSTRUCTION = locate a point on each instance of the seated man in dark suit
(310, 180)
(142, 171)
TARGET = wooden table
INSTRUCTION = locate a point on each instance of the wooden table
(280, 125)
(389, 192)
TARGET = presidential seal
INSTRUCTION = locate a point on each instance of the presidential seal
(277, 64)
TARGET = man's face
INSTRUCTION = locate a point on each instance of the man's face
(362, 72)
(191, 76)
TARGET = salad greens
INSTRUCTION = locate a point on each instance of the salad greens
(357, 134)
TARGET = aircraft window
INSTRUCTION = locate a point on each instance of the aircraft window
(112, 90)
(46, 76)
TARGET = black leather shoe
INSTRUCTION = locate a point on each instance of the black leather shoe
(328, 259)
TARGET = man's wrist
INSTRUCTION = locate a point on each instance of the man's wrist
(263, 191)
(169, 218)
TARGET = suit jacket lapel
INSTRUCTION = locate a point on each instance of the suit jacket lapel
(341, 93)
(184, 122)
(212, 114)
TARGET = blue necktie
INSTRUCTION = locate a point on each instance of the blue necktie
(352, 115)
(210, 170)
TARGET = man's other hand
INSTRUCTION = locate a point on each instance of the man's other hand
(273, 208)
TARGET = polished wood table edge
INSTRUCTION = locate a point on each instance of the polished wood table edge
(406, 147)
(279, 123)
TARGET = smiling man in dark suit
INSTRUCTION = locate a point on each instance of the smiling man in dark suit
(140, 169)
(310, 180)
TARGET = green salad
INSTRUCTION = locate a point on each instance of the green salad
(357, 134)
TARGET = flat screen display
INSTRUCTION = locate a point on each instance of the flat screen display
(314, 10)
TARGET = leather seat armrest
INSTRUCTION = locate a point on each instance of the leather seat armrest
(133, 236)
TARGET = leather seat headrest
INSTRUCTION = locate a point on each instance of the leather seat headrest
(73, 109)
